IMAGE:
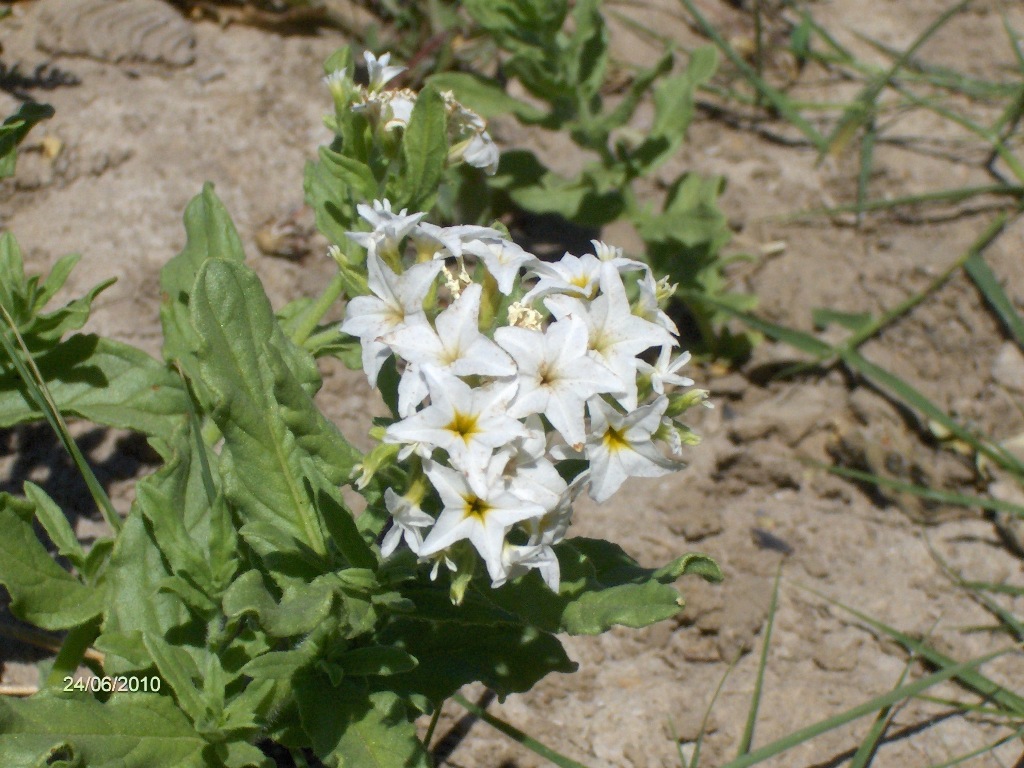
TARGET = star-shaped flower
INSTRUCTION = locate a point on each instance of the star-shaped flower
(614, 334)
(380, 74)
(407, 521)
(455, 344)
(556, 374)
(397, 302)
(477, 507)
(663, 371)
(502, 257)
(621, 446)
(389, 228)
(469, 424)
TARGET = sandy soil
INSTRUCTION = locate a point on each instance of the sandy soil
(137, 140)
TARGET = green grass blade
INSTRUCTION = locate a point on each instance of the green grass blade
(779, 101)
(747, 739)
(910, 396)
(964, 672)
(994, 294)
(938, 196)
(863, 108)
(867, 153)
(955, 671)
(1007, 620)
(869, 746)
(980, 751)
(36, 387)
(932, 494)
(695, 759)
(517, 735)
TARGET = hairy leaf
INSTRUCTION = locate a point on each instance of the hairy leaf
(350, 727)
(601, 586)
(103, 381)
(132, 730)
(259, 382)
(425, 148)
(42, 593)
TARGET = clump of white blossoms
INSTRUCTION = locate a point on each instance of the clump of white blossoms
(390, 109)
(522, 384)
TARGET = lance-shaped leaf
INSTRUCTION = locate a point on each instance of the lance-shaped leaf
(601, 586)
(425, 148)
(210, 235)
(103, 381)
(42, 593)
(132, 730)
(268, 418)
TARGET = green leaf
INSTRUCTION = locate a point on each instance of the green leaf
(302, 608)
(180, 672)
(350, 727)
(14, 130)
(673, 109)
(56, 525)
(484, 96)
(132, 730)
(425, 149)
(587, 53)
(103, 381)
(338, 518)
(137, 603)
(210, 234)
(42, 593)
(494, 646)
(376, 660)
(601, 586)
(263, 408)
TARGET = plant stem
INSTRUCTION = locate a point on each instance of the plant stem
(315, 313)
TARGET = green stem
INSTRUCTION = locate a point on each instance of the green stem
(312, 316)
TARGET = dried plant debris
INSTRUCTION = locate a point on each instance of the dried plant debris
(117, 30)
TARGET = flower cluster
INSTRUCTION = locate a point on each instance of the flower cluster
(521, 385)
(391, 109)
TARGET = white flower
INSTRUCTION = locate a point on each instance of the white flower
(502, 257)
(664, 372)
(380, 74)
(466, 423)
(648, 305)
(457, 346)
(338, 83)
(621, 446)
(397, 302)
(556, 374)
(615, 335)
(574, 275)
(389, 228)
(477, 507)
(482, 152)
(442, 242)
(518, 559)
(613, 255)
(408, 519)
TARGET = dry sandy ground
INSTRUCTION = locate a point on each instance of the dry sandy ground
(137, 140)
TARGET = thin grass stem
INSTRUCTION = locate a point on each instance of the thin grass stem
(37, 390)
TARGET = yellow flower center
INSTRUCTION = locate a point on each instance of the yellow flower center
(464, 425)
(476, 507)
(615, 440)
